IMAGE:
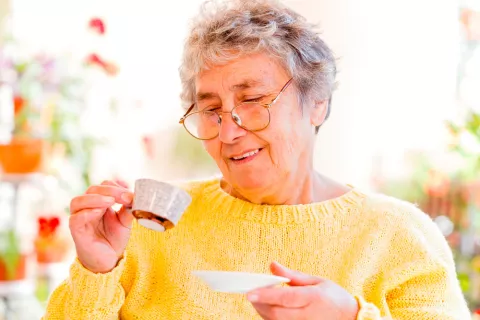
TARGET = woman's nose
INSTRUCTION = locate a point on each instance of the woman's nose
(230, 129)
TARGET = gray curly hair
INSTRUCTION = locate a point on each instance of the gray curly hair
(226, 30)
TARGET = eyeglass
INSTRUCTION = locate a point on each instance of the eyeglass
(251, 116)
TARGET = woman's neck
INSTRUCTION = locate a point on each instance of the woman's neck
(311, 188)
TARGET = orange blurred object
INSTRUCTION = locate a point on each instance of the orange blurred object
(51, 249)
(20, 271)
(50, 245)
(108, 67)
(471, 22)
(438, 183)
(111, 69)
(21, 156)
(18, 103)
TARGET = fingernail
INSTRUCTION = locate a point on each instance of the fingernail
(127, 197)
(108, 199)
(252, 297)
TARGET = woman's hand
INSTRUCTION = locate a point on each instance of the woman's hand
(307, 297)
(100, 233)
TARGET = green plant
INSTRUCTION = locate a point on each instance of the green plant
(10, 252)
(466, 143)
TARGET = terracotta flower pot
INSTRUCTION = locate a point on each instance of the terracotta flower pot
(21, 156)
(20, 271)
(51, 250)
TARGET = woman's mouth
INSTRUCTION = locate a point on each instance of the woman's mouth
(246, 156)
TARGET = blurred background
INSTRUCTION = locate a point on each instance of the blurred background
(89, 90)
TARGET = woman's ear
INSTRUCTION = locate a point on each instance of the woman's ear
(319, 112)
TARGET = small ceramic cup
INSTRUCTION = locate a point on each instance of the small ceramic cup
(158, 205)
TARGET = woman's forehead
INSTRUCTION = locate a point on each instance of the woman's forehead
(252, 71)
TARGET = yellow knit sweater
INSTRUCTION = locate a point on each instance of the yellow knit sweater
(382, 250)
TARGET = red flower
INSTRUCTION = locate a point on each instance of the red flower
(97, 25)
(47, 226)
(95, 60)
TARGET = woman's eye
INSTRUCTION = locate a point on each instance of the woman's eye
(210, 109)
(253, 100)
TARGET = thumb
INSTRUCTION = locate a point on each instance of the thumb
(296, 278)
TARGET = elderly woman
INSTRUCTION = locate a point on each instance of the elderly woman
(257, 81)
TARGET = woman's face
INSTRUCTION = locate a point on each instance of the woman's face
(276, 155)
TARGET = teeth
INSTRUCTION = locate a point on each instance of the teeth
(248, 154)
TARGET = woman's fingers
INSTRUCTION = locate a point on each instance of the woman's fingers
(91, 201)
(124, 215)
(121, 195)
(102, 196)
(99, 199)
(85, 216)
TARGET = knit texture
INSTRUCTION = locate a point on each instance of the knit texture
(384, 251)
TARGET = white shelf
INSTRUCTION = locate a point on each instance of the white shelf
(22, 178)
(16, 288)
(53, 270)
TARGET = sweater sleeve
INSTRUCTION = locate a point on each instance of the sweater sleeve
(87, 295)
(431, 295)
(419, 280)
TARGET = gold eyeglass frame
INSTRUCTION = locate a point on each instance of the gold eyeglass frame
(266, 106)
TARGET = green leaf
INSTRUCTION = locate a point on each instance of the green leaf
(10, 252)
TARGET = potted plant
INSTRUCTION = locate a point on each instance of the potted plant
(39, 83)
(50, 244)
(12, 260)
(24, 152)
(48, 94)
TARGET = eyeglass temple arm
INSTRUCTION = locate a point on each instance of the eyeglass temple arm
(186, 113)
(281, 91)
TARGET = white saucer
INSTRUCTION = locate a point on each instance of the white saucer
(238, 282)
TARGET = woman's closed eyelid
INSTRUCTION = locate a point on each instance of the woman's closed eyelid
(253, 99)
(209, 108)
(245, 98)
